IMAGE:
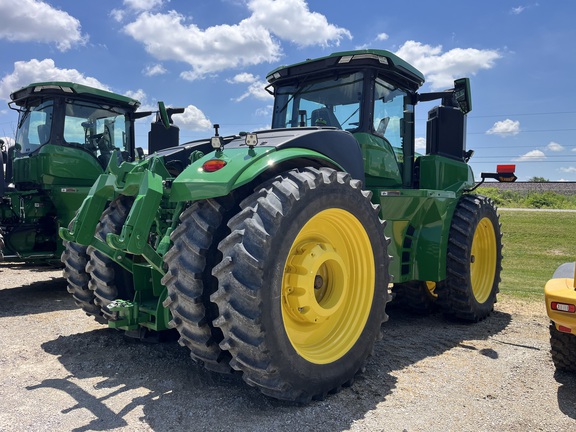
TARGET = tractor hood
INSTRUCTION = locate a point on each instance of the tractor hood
(336, 144)
(242, 158)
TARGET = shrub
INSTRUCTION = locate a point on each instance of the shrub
(539, 200)
(545, 200)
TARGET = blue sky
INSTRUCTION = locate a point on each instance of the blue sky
(212, 57)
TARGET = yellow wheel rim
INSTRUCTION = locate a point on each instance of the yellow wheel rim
(483, 260)
(328, 286)
(431, 287)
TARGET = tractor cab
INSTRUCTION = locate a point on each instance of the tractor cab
(65, 131)
(372, 94)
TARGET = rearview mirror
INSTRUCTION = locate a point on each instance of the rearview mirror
(163, 114)
(462, 94)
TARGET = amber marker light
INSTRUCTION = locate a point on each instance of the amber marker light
(213, 165)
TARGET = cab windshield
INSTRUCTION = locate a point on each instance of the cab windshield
(98, 129)
(333, 102)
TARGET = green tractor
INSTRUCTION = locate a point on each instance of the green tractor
(274, 253)
(65, 136)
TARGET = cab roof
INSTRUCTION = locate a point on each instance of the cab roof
(383, 60)
(70, 88)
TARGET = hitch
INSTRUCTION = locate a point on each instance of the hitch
(504, 173)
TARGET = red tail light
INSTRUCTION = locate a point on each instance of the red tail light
(563, 307)
(505, 168)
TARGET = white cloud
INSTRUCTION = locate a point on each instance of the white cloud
(168, 37)
(505, 128)
(255, 87)
(154, 70)
(192, 119)
(142, 5)
(382, 37)
(243, 78)
(256, 90)
(555, 147)
(531, 156)
(117, 14)
(311, 28)
(27, 72)
(171, 36)
(141, 96)
(265, 111)
(420, 144)
(441, 68)
(37, 21)
(517, 10)
(568, 170)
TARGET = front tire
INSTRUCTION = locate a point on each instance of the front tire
(108, 280)
(474, 260)
(303, 284)
(563, 349)
(75, 258)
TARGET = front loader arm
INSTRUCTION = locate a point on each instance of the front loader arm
(143, 181)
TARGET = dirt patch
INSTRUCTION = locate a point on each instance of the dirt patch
(63, 371)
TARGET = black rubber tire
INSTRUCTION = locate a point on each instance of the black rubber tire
(563, 349)
(250, 276)
(75, 259)
(190, 282)
(456, 294)
(2, 244)
(415, 297)
(108, 280)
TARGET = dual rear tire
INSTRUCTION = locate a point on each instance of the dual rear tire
(302, 285)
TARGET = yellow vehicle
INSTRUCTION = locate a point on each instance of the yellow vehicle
(560, 294)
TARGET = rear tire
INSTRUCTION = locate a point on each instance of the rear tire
(2, 245)
(303, 284)
(418, 297)
(473, 262)
(563, 349)
(190, 282)
(108, 280)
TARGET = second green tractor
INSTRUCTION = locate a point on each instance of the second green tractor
(274, 253)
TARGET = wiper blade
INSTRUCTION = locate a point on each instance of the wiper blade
(25, 115)
(296, 93)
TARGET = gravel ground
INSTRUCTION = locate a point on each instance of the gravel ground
(61, 371)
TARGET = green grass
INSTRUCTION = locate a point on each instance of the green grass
(535, 244)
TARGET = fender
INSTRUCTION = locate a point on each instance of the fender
(242, 166)
(328, 146)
